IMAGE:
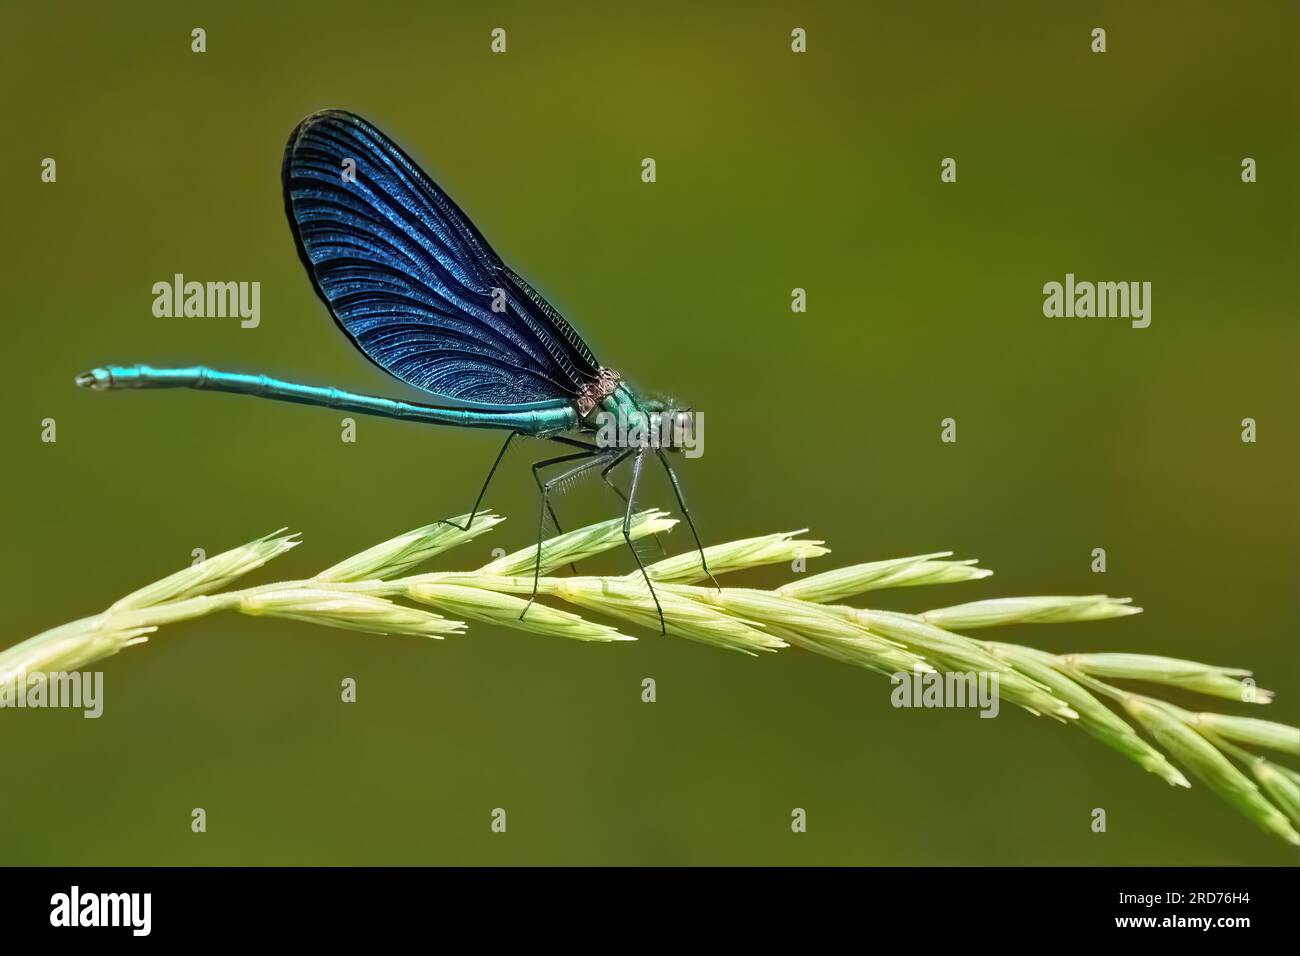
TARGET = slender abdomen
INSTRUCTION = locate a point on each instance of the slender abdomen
(531, 420)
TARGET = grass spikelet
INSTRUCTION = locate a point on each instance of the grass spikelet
(575, 546)
(1248, 730)
(70, 646)
(782, 548)
(843, 583)
(398, 555)
(630, 600)
(347, 610)
(1191, 675)
(1094, 717)
(494, 607)
(1030, 610)
(809, 626)
(949, 651)
(1281, 785)
(1208, 764)
(211, 574)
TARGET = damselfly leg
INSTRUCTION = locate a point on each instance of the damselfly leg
(537, 478)
(690, 523)
(586, 461)
(604, 476)
(473, 512)
(589, 459)
(573, 443)
(627, 536)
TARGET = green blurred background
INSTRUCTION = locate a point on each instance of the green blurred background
(775, 170)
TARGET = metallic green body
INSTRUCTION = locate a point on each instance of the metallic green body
(624, 404)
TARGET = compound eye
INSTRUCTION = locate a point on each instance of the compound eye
(683, 426)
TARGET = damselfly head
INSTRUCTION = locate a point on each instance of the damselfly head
(96, 378)
(681, 428)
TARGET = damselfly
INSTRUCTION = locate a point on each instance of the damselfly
(418, 290)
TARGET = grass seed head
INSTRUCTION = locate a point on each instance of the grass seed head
(494, 607)
(347, 610)
(1030, 610)
(398, 555)
(211, 574)
(781, 548)
(1191, 675)
(574, 546)
(843, 583)
(1208, 764)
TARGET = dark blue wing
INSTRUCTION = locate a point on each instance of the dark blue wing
(412, 282)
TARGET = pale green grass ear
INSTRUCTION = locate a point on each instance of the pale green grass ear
(575, 546)
(347, 610)
(1094, 717)
(1030, 610)
(401, 554)
(1208, 764)
(506, 610)
(806, 625)
(211, 574)
(365, 593)
(781, 548)
(844, 583)
(70, 647)
(1191, 675)
(1250, 730)
(628, 598)
(1281, 785)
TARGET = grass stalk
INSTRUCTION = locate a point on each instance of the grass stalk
(380, 591)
